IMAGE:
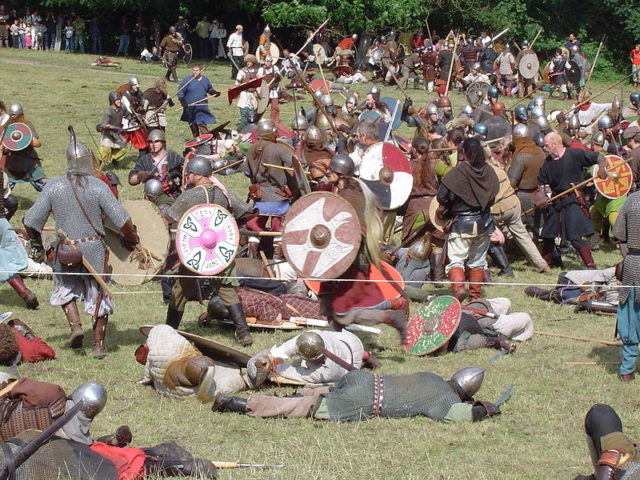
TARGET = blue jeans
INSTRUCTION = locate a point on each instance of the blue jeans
(78, 43)
(69, 44)
(96, 44)
(123, 47)
(628, 323)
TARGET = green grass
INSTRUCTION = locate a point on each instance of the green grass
(538, 436)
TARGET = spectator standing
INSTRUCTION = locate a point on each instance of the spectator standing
(68, 37)
(155, 32)
(635, 65)
(125, 36)
(94, 32)
(15, 33)
(50, 34)
(182, 27)
(79, 28)
(222, 34)
(202, 31)
(213, 38)
(236, 52)
(140, 34)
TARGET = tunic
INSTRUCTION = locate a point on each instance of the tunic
(197, 89)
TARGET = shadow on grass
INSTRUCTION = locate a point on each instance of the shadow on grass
(604, 353)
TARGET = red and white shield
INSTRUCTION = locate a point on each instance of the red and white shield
(387, 172)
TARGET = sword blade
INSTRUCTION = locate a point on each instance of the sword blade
(498, 355)
(505, 395)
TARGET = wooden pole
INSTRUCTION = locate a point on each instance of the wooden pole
(581, 339)
(317, 101)
(85, 263)
(312, 36)
(595, 60)
(536, 37)
(453, 60)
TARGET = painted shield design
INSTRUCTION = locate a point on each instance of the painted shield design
(321, 236)
(432, 325)
(387, 172)
(17, 137)
(619, 178)
(207, 239)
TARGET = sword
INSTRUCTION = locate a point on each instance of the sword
(498, 355)
(505, 395)
(234, 63)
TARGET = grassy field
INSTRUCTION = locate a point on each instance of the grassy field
(538, 436)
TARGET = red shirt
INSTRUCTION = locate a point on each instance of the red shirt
(635, 56)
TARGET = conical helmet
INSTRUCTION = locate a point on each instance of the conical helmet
(79, 157)
(468, 381)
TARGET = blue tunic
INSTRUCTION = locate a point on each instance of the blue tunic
(196, 90)
(13, 257)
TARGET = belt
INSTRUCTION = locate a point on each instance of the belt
(634, 251)
(378, 388)
(527, 190)
(86, 239)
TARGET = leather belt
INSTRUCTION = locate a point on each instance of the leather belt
(378, 389)
(634, 252)
(86, 239)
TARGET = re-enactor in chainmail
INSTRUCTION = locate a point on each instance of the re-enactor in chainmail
(80, 201)
(627, 230)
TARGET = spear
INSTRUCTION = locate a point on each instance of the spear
(318, 103)
(312, 36)
(246, 465)
(536, 37)
(595, 60)
(453, 60)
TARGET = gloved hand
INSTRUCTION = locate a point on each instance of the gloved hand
(407, 103)
(171, 102)
(143, 176)
(130, 236)
(258, 367)
(481, 410)
(215, 93)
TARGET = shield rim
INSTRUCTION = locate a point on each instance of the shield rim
(522, 69)
(263, 101)
(480, 99)
(454, 302)
(235, 225)
(23, 126)
(598, 181)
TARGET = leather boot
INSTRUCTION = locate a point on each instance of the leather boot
(174, 317)
(500, 260)
(436, 262)
(236, 314)
(222, 403)
(398, 320)
(585, 255)
(21, 289)
(99, 332)
(476, 277)
(73, 317)
(457, 279)
(536, 292)
(501, 343)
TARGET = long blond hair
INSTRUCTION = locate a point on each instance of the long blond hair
(373, 224)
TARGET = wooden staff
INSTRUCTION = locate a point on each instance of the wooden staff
(85, 263)
(540, 29)
(581, 339)
(525, 97)
(249, 233)
(312, 37)
(591, 363)
(595, 60)
(317, 101)
(453, 60)
(618, 82)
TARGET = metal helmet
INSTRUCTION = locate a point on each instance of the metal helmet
(15, 109)
(314, 136)
(310, 346)
(598, 138)
(113, 96)
(267, 29)
(468, 109)
(266, 127)
(79, 157)
(342, 164)
(322, 122)
(444, 102)
(493, 92)
(94, 396)
(574, 123)
(351, 98)
(420, 249)
(300, 122)
(475, 66)
(521, 131)
(537, 111)
(153, 188)
(133, 81)
(155, 135)
(539, 101)
(542, 122)
(616, 105)
(530, 106)
(432, 109)
(525, 43)
(326, 100)
(354, 36)
(574, 49)
(538, 139)
(375, 91)
(634, 98)
(605, 122)
(498, 108)
(468, 381)
(200, 165)
(480, 128)
(521, 113)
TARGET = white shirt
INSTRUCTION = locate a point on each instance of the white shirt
(234, 44)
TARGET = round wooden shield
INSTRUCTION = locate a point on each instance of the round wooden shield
(396, 111)
(529, 65)
(619, 178)
(263, 97)
(320, 85)
(435, 220)
(199, 140)
(387, 172)
(144, 263)
(546, 73)
(301, 176)
(432, 325)
(17, 136)
(477, 92)
(274, 51)
(321, 236)
(573, 72)
(207, 239)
